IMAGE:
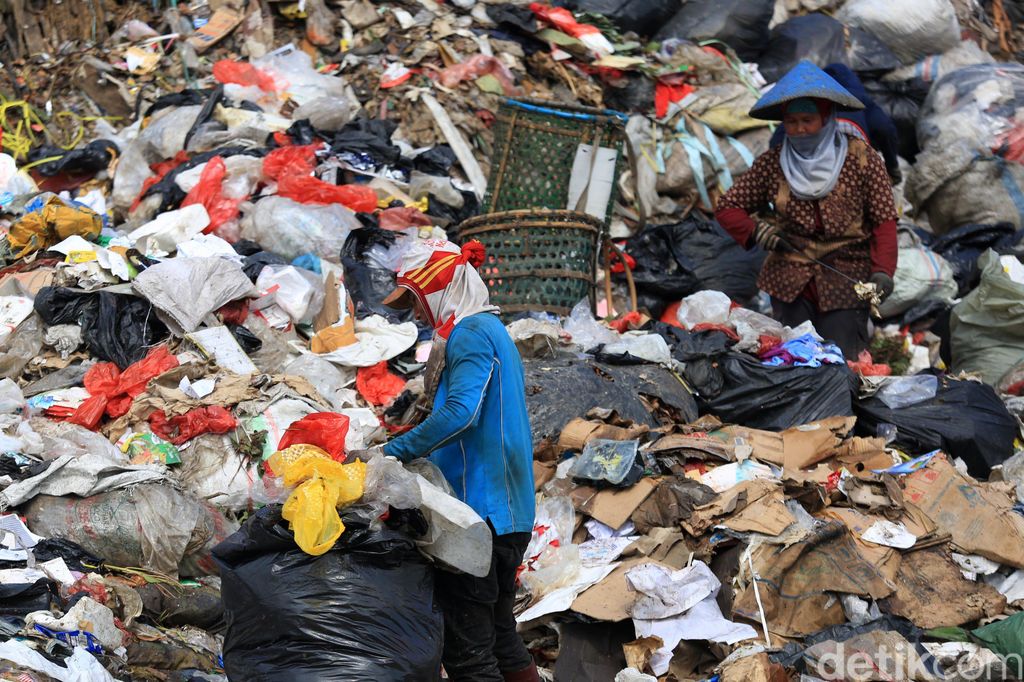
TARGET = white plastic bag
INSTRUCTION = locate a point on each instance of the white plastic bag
(587, 332)
(163, 234)
(912, 29)
(290, 229)
(921, 275)
(298, 292)
(704, 307)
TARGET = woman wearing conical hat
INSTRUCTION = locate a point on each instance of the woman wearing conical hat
(824, 195)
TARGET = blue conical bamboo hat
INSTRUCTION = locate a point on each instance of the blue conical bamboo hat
(803, 80)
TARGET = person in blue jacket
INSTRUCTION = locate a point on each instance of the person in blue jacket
(478, 434)
(871, 124)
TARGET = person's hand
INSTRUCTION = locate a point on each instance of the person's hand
(367, 454)
(884, 284)
(768, 237)
(895, 176)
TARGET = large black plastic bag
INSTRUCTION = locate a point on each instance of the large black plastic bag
(362, 611)
(120, 328)
(867, 55)
(965, 419)
(740, 24)
(737, 388)
(643, 17)
(963, 246)
(815, 37)
(677, 259)
(901, 101)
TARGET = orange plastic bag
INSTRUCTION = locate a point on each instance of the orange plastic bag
(325, 430)
(289, 160)
(309, 190)
(243, 73)
(185, 427)
(378, 385)
(209, 193)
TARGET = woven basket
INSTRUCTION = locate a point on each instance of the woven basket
(537, 261)
(535, 145)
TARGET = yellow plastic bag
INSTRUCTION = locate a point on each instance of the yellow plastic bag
(52, 224)
(322, 486)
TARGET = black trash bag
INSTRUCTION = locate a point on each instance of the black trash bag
(253, 264)
(738, 389)
(362, 611)
(869, 56)
(119, 328)
(21, 599)
(963, 246)
(561, 389)
(677, 259)
(435, 161)
(89, 160)
(814, 37)
(792, 655)
(248, 341)
(368, 136)
(369, 286)
(246, 247)
(643, 17)
(901, 101)
(302, 132)
(633, 93)
(699, 350)
(740, 24)
(965, 419)
(182, 98)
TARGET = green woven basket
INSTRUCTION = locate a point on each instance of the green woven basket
(535, 145)
(537, 261)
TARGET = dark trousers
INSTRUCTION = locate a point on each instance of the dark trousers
(848, 329)
(480, 638)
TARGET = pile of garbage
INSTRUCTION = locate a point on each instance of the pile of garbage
(203, 206)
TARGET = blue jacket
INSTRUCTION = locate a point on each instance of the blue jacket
(876, 124)
(478, 433)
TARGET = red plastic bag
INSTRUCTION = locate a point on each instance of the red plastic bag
(309, 190)
(243, 73)
(865, 366)
(112, 391)
(161, 169)
(378, 385)
(475, 67)
(325, 430)
(185, 427)
(290, 160)
(402, 217)
(210, 194)
(563, 20)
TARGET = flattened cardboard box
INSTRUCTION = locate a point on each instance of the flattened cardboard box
(980, 520)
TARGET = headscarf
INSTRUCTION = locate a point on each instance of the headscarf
(444, 279)
(812, 163)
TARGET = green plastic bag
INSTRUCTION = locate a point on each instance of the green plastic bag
(988, 325)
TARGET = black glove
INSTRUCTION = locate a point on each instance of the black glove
(768, 237)
(884, 283)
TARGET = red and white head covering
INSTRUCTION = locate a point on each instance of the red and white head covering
(443, 278)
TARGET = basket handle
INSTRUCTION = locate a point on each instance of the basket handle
(641, 212)
(609, 249)
(595, 146)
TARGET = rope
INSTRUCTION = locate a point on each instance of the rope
(22, 128)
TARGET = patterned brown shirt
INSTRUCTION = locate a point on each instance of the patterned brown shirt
(853, 229)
